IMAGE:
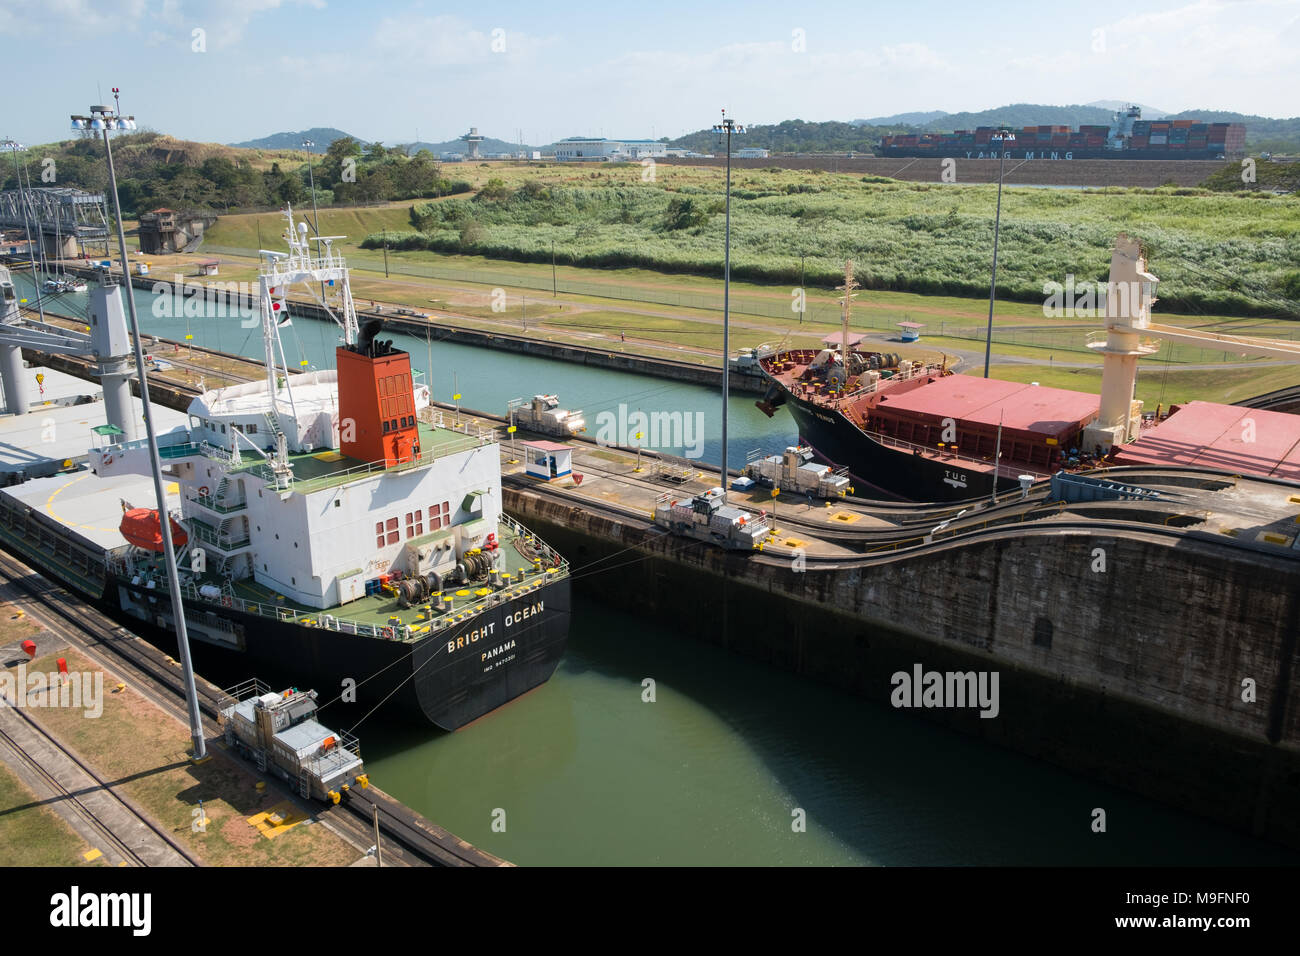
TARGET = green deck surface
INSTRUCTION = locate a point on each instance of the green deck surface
(380, 609)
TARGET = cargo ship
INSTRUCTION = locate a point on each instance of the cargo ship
(1127, 137)
(334, 529)
(918, 432)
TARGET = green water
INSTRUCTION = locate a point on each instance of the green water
(586, 772)
(487, 379)
(712, 770)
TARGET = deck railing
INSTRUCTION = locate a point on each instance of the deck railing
(1004, 471)
(533, 578)
(481, 436)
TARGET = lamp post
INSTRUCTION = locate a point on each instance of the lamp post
(16, 148)
(307, 144)
(311, 175)
(727, 126)
(1000, 137)
(106, 119)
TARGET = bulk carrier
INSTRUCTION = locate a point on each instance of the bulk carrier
(1127, 137)
(918, 432)
(333, 528)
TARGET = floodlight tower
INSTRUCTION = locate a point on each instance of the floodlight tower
(1001, 137)
(727, 126)
(106, 119)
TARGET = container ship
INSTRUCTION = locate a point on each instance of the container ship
(918, 432)
(1127, 137)
(332, 528)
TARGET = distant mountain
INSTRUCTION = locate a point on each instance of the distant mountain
(1022, 114)
(792, 136)
(1148, 112)
(321, 136)
(902, 119)
(489, 145)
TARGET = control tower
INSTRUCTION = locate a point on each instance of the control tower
(472, 139)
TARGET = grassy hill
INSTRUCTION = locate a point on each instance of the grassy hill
(322, 136)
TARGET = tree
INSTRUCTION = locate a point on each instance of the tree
(471, 234)
(291, 190)
(683, 213)
(495, 189)
(330, 170)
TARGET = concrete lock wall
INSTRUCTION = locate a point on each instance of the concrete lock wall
(1132, 675)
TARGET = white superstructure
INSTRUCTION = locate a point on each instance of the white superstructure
(268, 495)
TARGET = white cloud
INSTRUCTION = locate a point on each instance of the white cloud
(448, 42)
(225, 22)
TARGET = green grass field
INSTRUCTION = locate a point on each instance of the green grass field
(678, 313)
(1214, 252)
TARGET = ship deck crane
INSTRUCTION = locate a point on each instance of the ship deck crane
(1130, 334)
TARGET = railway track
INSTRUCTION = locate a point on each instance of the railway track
(79, 804)
(408, 840)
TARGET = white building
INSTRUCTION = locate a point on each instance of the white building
(578, 150)
(752, 152)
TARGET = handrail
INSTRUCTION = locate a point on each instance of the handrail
(1003, 471)
(329, 620)
(464, 443)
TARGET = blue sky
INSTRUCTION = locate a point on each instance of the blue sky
(384, 70)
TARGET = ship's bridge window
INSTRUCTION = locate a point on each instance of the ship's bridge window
(385, 428)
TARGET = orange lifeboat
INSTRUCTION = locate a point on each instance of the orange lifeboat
(140, 527)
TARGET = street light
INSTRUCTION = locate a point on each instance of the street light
(727, 126)
(307, 145)
(1001, 136)
(104, 119)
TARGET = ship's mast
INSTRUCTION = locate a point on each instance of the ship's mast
(282, 270)
(845, 303)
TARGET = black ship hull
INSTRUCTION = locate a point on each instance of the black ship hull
(449, 678)
(879, 470)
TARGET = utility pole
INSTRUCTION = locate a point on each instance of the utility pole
(15, 149)
(727, 126)
(803, 289)
(553, 293)
(1001, 137)
(106, 119)
(997, 463)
